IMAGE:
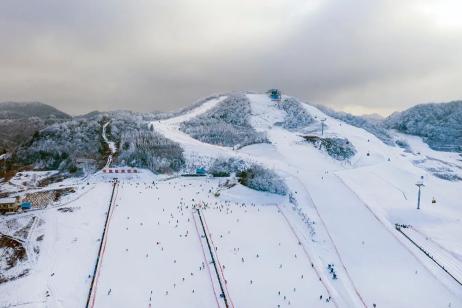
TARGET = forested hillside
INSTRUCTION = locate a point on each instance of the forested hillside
(19, 121)
(440, 125)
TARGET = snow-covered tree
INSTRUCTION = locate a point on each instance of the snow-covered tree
(227, 124)
(296, 116)
(337, 148)
(440, 125)
(262, 179)
(225, 167)
(59, 145)
(374, 127)
(144, 148)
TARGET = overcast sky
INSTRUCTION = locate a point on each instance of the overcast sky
(360, 56)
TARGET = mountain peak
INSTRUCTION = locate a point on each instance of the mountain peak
(21, 110)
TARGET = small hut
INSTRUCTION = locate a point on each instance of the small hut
(9, 205)
(274, 94)
(200, 171)
(26, 205)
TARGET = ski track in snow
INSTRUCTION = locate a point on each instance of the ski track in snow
(111, 145)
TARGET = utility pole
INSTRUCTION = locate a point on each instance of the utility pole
(322, 126)
(419, 184)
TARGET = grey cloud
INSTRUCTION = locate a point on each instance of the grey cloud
(160, 55)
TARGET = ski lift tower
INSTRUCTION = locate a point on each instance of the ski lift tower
(419, 184)
(322, 126)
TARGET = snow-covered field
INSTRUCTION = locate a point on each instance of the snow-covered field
(331, 242)
(59, 276)
(154, 255)
(262, 260)
(25, 180)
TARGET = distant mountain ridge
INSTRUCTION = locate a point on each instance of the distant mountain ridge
(16, 110)
(439, 124)
(47, 138)
(19, 121)
(373, 126)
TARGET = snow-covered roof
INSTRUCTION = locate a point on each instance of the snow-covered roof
(7, 200)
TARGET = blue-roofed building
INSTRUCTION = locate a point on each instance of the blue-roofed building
(200, 171)
(26, 205)
(274, 94)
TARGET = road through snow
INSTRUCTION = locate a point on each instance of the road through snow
(111, 145)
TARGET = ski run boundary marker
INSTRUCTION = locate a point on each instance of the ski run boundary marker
(99, 258)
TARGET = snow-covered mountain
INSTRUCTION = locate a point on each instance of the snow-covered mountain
(440, 125)
(238, 201)
(19, 121)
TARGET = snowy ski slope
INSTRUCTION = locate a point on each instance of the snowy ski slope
(153, 254)
(269, 250)
(356, 234)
